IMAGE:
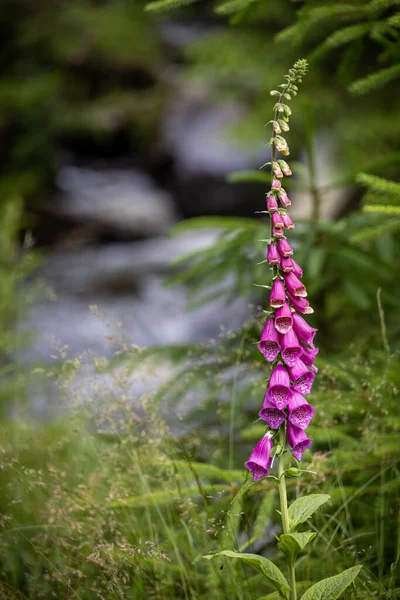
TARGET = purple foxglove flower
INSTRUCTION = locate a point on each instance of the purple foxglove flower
(276, 184)
(272, 204)
(287, 265)
(314, 368)
(302, 378)
(279, 387)
(277, 233)
(273, 255)
(298, 440)
(269, 342)
(285, 168)
(260, 459)
(287, 221)
(283, 319)
(284, 248)
(291, 348)
(284, 198)
(295, 286)
(309, 355)
(297, 270)
(300, 304)
(300, 411)
(277, 170)
(278, 295)
(270, 414)
(277, 220)
(303, 329)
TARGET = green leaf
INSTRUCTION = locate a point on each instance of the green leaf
(263, 565)
(291, 544)
(304, 507)
(295, 472)
(332, 587)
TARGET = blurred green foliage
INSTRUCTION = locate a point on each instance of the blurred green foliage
(73, 72)
(117, 506)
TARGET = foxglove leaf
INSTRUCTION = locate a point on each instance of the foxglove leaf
(263, 565)
(302, 508)
(332, 587)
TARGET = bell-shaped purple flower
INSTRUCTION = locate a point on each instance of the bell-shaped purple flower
(260, 459)
(273, 257)
(303, 330)
(287, 221)
(272, 204)
(302, 377)
(300, 411)
(277, 220)
(287, 265)
(295, 286)
(277, 232)
(284, 198)
(291, 348)
(309, 355)
(278, 294)
(297, 270)
(300, 304)
(283, 319)
(269, 342)
(284, 248)
(271, 414)
(298, 440)
(279, 387)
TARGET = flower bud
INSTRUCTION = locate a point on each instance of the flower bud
(273, 255)
(283, 197)
(276, 127)
(285, 167)
(277, 170)
(272, 204)
(277, 220)
(278, 294)
(287, 221)
(284, 248)
(276, 184)
(277, 232)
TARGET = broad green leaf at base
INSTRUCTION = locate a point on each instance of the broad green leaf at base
(332, 587)
(263, 565)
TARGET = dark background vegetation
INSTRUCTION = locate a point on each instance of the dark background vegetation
(121, 123)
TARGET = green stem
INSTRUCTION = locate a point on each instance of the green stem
(284, 511)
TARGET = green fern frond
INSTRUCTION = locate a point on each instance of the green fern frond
(342, 37)
(232, 6)
(370, 233)
(381, 4)
(375, 80)
(379, 185)
(160, 5)
(383, 210)
(249, 177)
(394, 20)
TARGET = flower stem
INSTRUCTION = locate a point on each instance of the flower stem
(284, 511)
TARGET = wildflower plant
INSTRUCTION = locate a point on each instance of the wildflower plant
(287, 342)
